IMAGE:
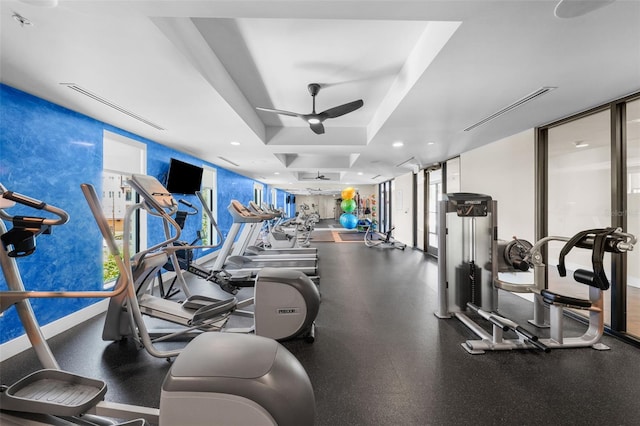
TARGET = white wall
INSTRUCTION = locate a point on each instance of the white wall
(325, 205)
(402, 205)
(505, 170)
(322, 204)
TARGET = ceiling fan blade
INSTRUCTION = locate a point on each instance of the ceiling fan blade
(341, 109)
(567, 9)
(279, 111)
(318, 128)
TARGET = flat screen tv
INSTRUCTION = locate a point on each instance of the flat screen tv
(183, 178)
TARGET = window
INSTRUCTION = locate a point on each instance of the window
(589, 177)
(257, 193)
(579, 191)
(122, 157)
(632, 120)
(209, 193)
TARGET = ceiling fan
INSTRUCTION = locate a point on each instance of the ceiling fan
(315, 119)
(319, 177)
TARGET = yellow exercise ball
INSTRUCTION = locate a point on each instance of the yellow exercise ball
(348, 193)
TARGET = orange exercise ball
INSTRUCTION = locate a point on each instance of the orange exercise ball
(348, 193)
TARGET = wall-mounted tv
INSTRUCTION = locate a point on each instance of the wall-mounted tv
(183, 178)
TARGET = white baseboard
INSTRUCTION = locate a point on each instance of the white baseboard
(20, 344)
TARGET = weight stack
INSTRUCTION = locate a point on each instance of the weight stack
(466, 291)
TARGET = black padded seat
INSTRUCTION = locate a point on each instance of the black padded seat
(551, 298)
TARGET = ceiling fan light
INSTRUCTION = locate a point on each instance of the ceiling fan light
(313, 120)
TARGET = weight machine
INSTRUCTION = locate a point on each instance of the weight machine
(471, 256)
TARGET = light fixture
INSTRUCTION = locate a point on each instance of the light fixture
(234, 143)
(397, 144)
(431, 143)
(313, 121)
(276, 173)
(359, 173)
(581, 144)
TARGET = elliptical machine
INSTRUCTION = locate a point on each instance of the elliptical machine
(286, 311)
(232, 378)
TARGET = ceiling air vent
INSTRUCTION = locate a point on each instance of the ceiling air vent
(229, 161)
(110, 104)
(408, 161)
(531, 96)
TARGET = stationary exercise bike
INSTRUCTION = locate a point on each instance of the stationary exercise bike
(221, 378)
(372, 238)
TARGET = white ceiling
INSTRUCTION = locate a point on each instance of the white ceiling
(426, 70)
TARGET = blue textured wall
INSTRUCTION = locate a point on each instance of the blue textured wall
(46, 152)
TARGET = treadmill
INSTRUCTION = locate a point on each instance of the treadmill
(243, 265)
(250, 234)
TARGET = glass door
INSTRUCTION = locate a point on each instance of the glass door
(579, 194)
(435, 195)
(633, 215)
(421, 210)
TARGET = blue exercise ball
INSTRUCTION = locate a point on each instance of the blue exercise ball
(348, 220)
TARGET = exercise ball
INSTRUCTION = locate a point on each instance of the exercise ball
(348, 220)
(348, 205)
(348, 193)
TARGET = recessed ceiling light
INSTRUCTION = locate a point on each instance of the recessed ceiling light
(276, 173)
(431, 143)
(235, 143)
(397, 144)
(581, 144)
(359, 173)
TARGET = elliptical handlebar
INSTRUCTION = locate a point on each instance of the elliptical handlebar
(63, 216)
(194, 209)
(17, 292)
